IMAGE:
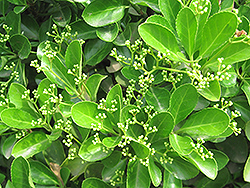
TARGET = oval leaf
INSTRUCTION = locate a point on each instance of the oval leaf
(206, 123)
(141, 150)
(31, 144)
(21, 45)
(154, 172)
(73, 54)
(183, 101)
(93, 152)
(181, 144)
(99, 13)
(108, 33)
(94, 182)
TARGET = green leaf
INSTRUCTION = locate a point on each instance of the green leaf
(8, 145)
(21, 45)
(61, 15)
(137, 175)
(84, 30)
(222, 179)
(14, 20)
(227, 5)
(30, 27)
(4, 5)
(94, 170)
(54, 153)
(57, 73)
(110, 174)
(235, 148)
(84, 114)
(17, 118)
(44, 84)
(153, 4)
(94, 182)
(99, 13)
(160, 38)
(43, 29)
(154, 172)
(186, 26)
(246, 88)
(221, 158)
(65, 173)
(130, 73)
(96, 50)
(18, 2)
(41, 174)
(158, 98)
(93, 152)
(159, 20)
(111, 142)
(20, 9)
(108, 33)
(164, 123)
(181, 144)
(93, 84)
(31, 144)
(181, 169)
(76, 166)
(20, 173)
(206, 123)
(240, 104)
(169, 181)
(208, 166)
(73, 55)
(213, 92)
(202, 19)
(183, 101)
(246, 172)
(217, 30)
(232, 53)
(113, 159)
(141, 150)
(170, 9)
(41, 48)
(115, 94)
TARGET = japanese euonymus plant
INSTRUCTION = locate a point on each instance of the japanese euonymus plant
(164, 108)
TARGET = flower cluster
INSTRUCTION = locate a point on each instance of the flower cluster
(21, 134)
(36, 65)
(38, 122)
(79, 77)
(62, 125)
(165, 158)
(5, 37)
(201, 6)
(201, 150)
(102, 105)
(171, 77)
(72, 153)
(117, 178)
(68, 141)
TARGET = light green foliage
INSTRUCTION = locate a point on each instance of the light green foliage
(130, 94)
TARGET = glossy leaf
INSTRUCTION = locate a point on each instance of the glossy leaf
(62, 15)
(181, 144)
(246, 172)
(153, 4)
(170, 9)
(110, 173)
(217, 30)
(94, 182)
(208, 166)
(137, 175)
(17, 118)
(181, 169)
(44, 28)
(213, 92)
(113, 159)
(111, 142)
(73, 55)
(8, 146)
(186, 26)
(221, 158)
(57, 73)
(159, 20)
(31, 144)
(93, 152)
(183, 101)
(130, 73)
(154, 172)
(76, 166)
(14, 20)
(246, 89)
(164, 123)
(235, 148)
(84, 30)
(240, 104)
(206, 123)
(169, 181)
(20, 173)
(41, 174)
(93, 84)
(160, 38)
(158, 98)
(30, 27)
(99, 13)
(96, 50)
(141, 150)
(108, 33)
(21, 45)
(232, 53)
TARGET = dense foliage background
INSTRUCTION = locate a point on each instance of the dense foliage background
(124, 93)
